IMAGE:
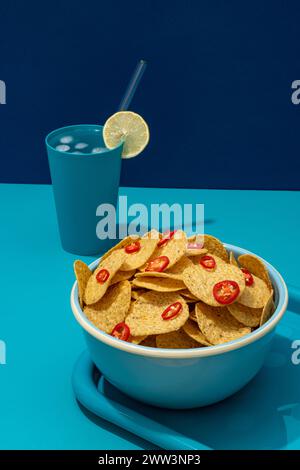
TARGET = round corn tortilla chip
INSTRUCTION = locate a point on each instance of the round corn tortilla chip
(188, 295)
(166, 275)
(193, 316)
(199, 239)
(94, 290)
(145, 318)
(200, 281)
(160, 285)
(136, 339)
(195, 251)
(176, 271)
(218, 325)
(111, 309)
(255, 296)
(256, 267)
(118, 246)
(232, 259)
(135, 294)
(174, 249)
(82, 273)
(148, 245)
(179, 267)
(122, 276)
(191, 328)
(150, 341)
(215, 247)
(268, 310)
(176, 340)
(246, 315)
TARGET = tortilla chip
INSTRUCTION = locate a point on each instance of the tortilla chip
(198, 239)
(118, 246)
(268, 310)
(135, 260)
(150, 341)
(111, 309)
(256, 267)
(195, 251)
(136, 293)
(218, 325)
(255, 296)
(176, 340)
(159, 285)
(200, 281)
(246, 315)
(188, 295)
(136, 339)
(232, 259)
(191, 328)
(193, 316)
(122, 276)
(145, 315)
(82, 273)
(174, 250)
(215, 247)
(94, 290)
(167, 275)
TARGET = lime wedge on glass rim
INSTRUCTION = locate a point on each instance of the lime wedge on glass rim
(128, 127)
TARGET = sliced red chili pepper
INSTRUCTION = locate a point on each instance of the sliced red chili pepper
(166, 238)
(208, 262)
(172, 311)
(121, 331)
(225, 292)
(249, 279)
(158, 264)
(133, 247)
(102, 276)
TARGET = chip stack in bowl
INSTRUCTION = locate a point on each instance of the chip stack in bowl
(170, 291)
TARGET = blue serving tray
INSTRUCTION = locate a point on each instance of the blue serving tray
(263, 415)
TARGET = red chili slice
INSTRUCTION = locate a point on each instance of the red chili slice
(172, 311)
(102, 276)
(121, 331)
(249, 279)
(225, 292)
(133, 247)
(166, 238)
(208, 262)
(158, 264)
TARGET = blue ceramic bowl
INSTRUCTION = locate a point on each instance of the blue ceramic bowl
(182, 378)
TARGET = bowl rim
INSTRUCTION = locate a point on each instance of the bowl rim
(146, 351)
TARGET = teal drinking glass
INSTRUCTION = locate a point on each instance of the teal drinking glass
(84, 175)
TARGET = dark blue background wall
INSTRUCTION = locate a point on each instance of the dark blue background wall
(216, 94)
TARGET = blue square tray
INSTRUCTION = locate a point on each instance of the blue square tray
(263, 415)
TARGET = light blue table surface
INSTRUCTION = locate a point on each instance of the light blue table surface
(37, 407)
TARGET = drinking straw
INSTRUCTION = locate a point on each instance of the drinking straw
(132, 86)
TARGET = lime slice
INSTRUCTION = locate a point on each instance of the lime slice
(128, 127)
